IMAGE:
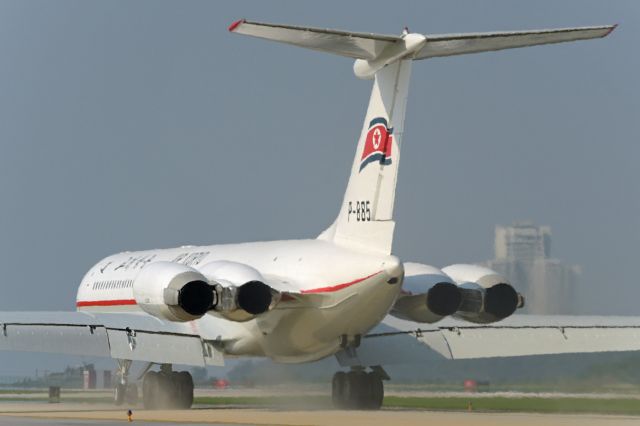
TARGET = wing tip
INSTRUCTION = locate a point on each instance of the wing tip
(611, 29)
(236, 24)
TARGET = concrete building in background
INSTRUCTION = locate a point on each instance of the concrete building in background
(523, 254)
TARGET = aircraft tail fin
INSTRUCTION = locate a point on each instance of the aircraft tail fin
(365, 221)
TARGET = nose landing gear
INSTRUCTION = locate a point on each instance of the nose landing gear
(357, 389)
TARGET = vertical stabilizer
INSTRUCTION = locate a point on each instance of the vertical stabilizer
(365, 221)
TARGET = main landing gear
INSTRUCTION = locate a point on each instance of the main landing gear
(357, 389)
(164, 389)
(125, 391)
(167, 389)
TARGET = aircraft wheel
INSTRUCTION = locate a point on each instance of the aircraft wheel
(166, 394)
(150, 390)
(356, 390)
(119, 394)
(363, 386)
(349, 392)
(183, 383)
(338, 384)
(376, 391)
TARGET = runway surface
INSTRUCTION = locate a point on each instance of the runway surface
(69, 414)
(25, 421)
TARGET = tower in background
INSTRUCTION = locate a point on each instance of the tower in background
(523, 254)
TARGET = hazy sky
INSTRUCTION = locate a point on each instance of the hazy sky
(131, 125)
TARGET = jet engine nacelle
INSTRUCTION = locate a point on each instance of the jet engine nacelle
(173, 292)
(428, 294)
(242, 293)
(486, 295)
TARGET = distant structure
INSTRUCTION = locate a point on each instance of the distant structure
(523, 254)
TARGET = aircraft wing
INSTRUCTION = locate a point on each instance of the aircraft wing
(521, 335)
(133, 336)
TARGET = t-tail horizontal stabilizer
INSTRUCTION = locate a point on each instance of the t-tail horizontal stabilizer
(374, 51)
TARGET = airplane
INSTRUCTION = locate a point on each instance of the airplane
(299, 301)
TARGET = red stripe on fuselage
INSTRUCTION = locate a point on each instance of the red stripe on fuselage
(122, 302)
(118, 302)
(338, 286)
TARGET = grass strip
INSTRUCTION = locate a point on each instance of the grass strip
(529, 405)
(627, 406)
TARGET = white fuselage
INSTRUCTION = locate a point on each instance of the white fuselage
(328, 292)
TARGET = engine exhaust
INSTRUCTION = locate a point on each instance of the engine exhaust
(197, 297)
(501, 300)
(444, 299)
(254, 297)
(485, 305)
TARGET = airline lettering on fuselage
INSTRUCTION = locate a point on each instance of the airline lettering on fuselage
(140, 261)
(191, 259)
(103, 268)
(377, 144)
(134, 262)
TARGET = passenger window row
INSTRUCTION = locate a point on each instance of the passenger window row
(115, 284)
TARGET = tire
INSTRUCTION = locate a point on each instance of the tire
(165, 393)
(363, 390)
(150, 388)
(376, 391)
(184, 387)
(338, 388)
(355, 389)
(349, 392)
(119, 394)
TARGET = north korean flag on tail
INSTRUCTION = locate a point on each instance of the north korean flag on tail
(378, 143)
